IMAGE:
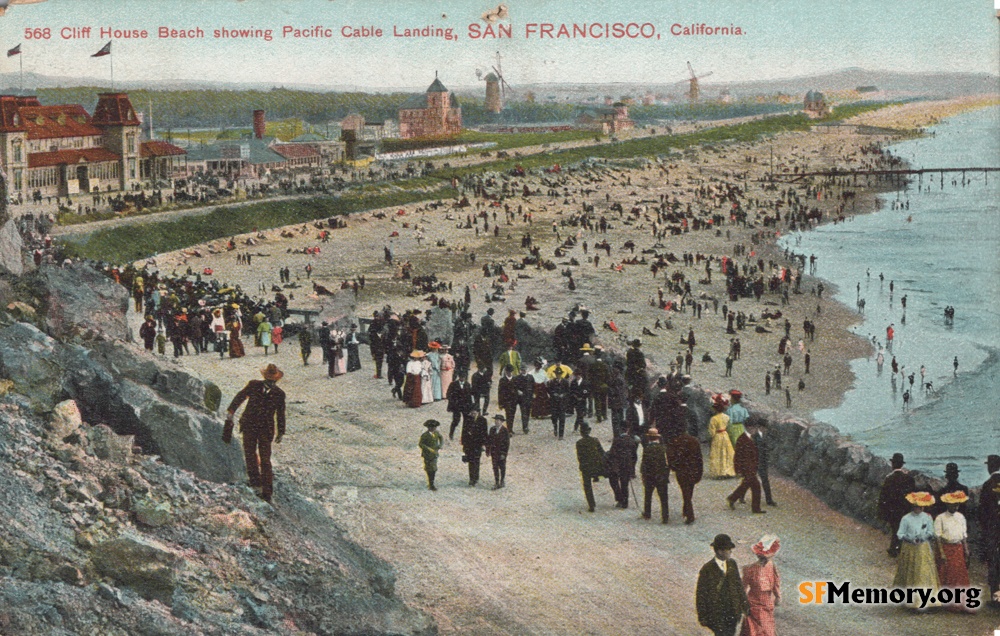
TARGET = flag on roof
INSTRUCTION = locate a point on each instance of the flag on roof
(105, 50)
(14, 51)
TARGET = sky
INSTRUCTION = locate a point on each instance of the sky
(782, 38)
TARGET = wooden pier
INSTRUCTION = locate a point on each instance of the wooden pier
(902, 172)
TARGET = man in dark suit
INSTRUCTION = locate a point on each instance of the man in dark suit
(989, 508)
(622, 458)
(617, 397)
(498, 445)
(265, 409)
(474, 440)
(762, 442)
(482, 382)
(655, 475)
(684, 457)
(635, 368)
(599, 377)
(951, 485)
(892, 504)
(558, 389)
(720, 597)
(524, 388)
(579, 393)
(666, 411)
(460, 403)
(637, 414)
(507, 396)
(746, 463)
(590, 456)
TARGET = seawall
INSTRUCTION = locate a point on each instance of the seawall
(843, 474)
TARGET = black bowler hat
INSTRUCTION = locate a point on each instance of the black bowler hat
(723, 542)
(993, 463)
(897, 460)
(951, 469)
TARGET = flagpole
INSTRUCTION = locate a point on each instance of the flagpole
(111, 60)
(20, 60)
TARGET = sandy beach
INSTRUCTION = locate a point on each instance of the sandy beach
(530, 559)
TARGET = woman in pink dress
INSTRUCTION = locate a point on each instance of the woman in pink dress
(447, 369)
(277, 335)
(763, 586)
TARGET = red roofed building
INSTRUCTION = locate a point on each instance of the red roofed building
(161, 160)
(298, 155)
(62, 150)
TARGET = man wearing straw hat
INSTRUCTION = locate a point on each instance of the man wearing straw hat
(265, 409)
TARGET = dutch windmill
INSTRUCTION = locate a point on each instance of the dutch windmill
(496, 87)
(693, 90)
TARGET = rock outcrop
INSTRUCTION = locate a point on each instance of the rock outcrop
(11, 247)
(101, 539)
(79, 304)
(163, 408)
(134, 546)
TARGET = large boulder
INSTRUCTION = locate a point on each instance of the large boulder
(11, 247)
(171, 382)
(47, 372)
(81, 304)
(31, 360)
(181, 436)
(146, 566)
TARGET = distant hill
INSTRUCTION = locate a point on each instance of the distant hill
(911, 84)
(925, 84)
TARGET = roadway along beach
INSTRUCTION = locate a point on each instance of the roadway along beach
(529, 558)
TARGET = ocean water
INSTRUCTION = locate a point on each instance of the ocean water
(944, 250)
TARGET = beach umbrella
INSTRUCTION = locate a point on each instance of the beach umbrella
(551, 371)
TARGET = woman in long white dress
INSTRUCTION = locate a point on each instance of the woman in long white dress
(425, 381)
(434, 357)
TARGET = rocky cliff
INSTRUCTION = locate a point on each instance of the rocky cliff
(122, 513)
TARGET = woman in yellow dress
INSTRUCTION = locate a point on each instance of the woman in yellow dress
(720, 456)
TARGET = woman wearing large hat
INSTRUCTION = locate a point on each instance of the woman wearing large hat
(720, 456)
(916, 560)
(952, 544)
(763, 585)
(412, 388)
